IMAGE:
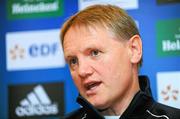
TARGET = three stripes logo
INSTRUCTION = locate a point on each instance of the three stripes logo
(37, 102)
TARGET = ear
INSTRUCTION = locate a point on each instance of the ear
(135, 49)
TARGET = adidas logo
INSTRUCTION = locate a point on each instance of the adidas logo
(37, 103)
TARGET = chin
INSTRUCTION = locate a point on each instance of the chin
(101, 107)
(99, 104)
(98, 101)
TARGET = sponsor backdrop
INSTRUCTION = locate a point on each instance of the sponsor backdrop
(35, 81)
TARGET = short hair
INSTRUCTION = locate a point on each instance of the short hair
(115, 19)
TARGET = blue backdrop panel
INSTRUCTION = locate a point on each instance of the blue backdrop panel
(148, 14)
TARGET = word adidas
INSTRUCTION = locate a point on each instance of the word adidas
(171, 45)
(37, 103)
(33, 110)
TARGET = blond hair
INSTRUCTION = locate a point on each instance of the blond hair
(115, 19)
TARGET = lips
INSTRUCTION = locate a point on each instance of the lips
(91, 87)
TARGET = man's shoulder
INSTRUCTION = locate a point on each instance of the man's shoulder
(167, 108)
(159, 109)
(76, 114)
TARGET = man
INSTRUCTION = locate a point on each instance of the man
(103, 49)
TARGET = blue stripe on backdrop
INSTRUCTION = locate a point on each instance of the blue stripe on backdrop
(3, 81)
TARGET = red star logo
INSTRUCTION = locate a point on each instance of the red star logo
(168, 93)
(16, 52)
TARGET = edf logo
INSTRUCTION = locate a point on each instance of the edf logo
(34, 50)
(43, 49)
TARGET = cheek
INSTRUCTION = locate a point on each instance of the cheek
(115, 68)
(76, 80)
(106, 70)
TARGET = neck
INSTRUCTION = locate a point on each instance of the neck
(121, 105)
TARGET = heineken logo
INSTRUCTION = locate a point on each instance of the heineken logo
(18, 8)
(168, 45)
(34, 8)
(168, 37)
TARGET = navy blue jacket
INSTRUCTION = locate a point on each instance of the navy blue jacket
(143, 106)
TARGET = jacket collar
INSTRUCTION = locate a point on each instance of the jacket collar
(137, 108)
(141, 102)
(88, 108)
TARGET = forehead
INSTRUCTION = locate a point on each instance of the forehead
(85, 31)
(79, 31)
(79, 39)
(82, 34)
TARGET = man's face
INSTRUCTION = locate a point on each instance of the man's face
(99, 64)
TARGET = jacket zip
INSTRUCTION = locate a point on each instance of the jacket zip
(84, 117)
(158, 116)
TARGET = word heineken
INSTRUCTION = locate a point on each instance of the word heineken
(18, 8)
(168, 45)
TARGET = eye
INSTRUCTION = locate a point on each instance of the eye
(73, 61)
(95, 52)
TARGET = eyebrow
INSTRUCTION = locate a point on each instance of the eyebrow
(86, 48)
(68, 57)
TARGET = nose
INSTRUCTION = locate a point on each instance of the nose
(84, 69)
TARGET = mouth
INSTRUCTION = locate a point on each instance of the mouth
(91, 87)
